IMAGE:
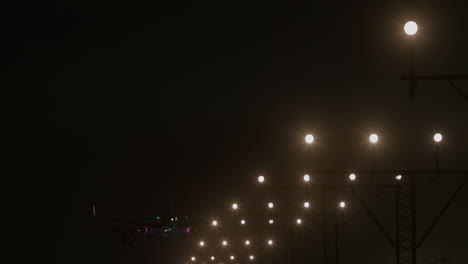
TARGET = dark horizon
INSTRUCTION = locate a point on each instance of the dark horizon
(146, 109)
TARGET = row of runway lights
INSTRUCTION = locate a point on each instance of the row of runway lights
(232, 258)
(373, 138)
(225, 243)
(306, 178)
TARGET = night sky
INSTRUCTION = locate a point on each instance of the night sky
(145, 108)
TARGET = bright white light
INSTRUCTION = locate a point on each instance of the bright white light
(251, 257)
(193, 259)
(437, 137)
(214, 223)
(298, 221)
(309, 139)
(247, 242)
(234, 206)
(242, 222)
(232, 257)
(270, 242)
(306, 204)
(342, 204)
(212, 258)
(261, 179)
(411, 28)
(306, 177)
(352, 177)
(202, 244)
(398, 177)
(373, 138)
(270, 205)
(271, 221)
(225, 243)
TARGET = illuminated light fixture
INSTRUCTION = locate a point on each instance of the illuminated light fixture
(373, 138)
(306, 178)
(411, 28)
(306, 204)
(202, 244)
(232, 257)
(261, 179)
(247, 242)
(298, 221)
(235, 206)
(437, 137)
(352, 177)
(270, 242)
(251, 257)
(398, 177)
(309, 139)
(270, 205)
(224, 243)
(242, 222)
(342, 204)
(271, 221)
(214, 223)
(193, 259)
(212, 258)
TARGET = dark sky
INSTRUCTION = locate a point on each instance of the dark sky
(146, 109)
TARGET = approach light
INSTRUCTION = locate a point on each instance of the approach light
(193, 258)
(270, 242)
(224, 243)
(306, 204)
(309, 139)
(298, 221)
(251, 257)
(411, 28)
(242, 222)
(247, 242)
(373, 138)
(398, 177)
(214, 223)
(232, 258)
(234, 206)
(271, 221)
(437, 137)
(212, 258)
(202, 244)
(342, 204)
(352, 177)
(270, 205)
(306, 177)
(261, 179)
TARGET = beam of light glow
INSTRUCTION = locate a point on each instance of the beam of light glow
(214, 223)
(224, 243)
(212, 258)
(232, 257)
(270, 205)
(306, 177)
(242, 222)
(437, 137)
(202, 244)
(261, 179)
(373, 138)
(299, 221)
(309, 139)
(306, 204)
(352, 177)
(235, 206)
(271, 221)
(251, 257)
(398, 177)
(270, 242)
(342, 204)
(247, 242)
(411, 28)
(193, 258)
